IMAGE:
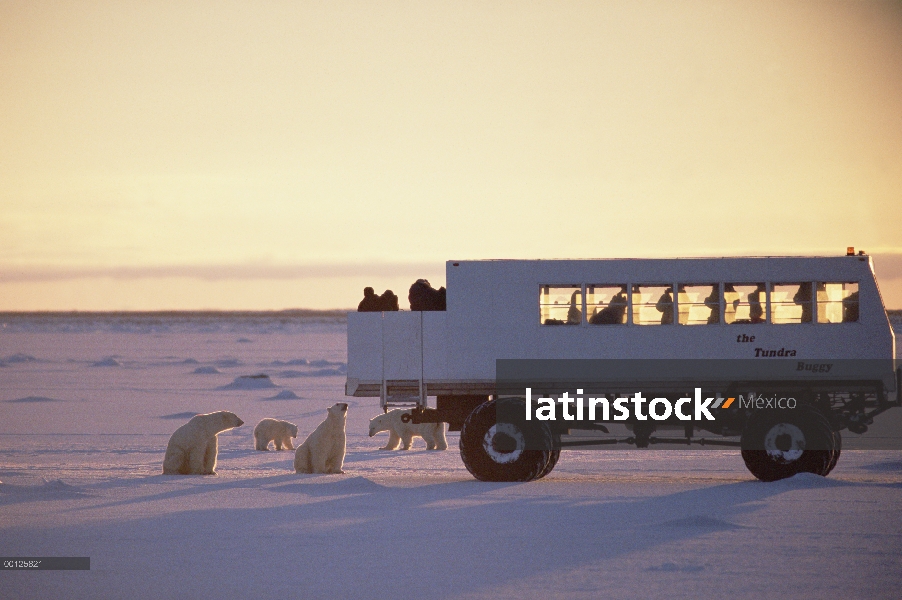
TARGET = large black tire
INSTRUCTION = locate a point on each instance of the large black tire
(780, 443)
(837, 448)
(555, 455)
(510, 450)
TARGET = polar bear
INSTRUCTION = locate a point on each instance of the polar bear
(324, 450)
(275, 431)
(399, 431)
(192, 448)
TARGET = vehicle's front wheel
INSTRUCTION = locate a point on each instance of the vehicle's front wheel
(553, 457)
(498, 444)
(779, 444)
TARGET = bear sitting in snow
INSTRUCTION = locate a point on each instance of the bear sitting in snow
(399, 431)
(324, 450)
(275, 431)
(193, 447)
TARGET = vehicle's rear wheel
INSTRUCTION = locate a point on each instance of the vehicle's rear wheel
(779, 444)
(837, 448)
(498, 444)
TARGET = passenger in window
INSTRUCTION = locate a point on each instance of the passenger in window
(618, 305)
(713, 302)
(756, 306)
(803, 299)
(850, 308)
(731, 302)
(613, 313)
(665, 307)
(574, 314)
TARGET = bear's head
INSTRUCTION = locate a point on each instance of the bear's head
(378, 424)
(339, 411)
(226, 419)
(293, 430)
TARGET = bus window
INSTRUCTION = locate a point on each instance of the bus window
(744, 303)
(560, 304)
(837, 302)
(699, 303)
(652, 304)
(791, 302)
(606, 304)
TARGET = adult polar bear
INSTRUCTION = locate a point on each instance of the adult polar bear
(399, 431)
(193, 447)
(275, 431)
(324, 450)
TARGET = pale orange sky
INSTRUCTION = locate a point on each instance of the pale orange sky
(268, 155)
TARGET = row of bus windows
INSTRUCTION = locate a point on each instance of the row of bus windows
(699, 303)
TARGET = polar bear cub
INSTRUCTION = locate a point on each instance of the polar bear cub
(275, 431)
(193, 447)
(399, 431)
(324, 450)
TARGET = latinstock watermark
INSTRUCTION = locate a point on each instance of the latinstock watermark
(624, 408)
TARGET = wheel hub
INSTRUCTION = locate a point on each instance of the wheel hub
(784, 443)
(504, 443)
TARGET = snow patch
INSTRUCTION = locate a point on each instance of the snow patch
(290, 363)
(701, 522)
(54, 489)
(284, 395)
(250, 382)
(884, 467)
(670, 567)
(315, 485)
(29, 399)
(19, 358)
(808, 480)
(324, 363)
(107, 362)
(314, 373)
(206, 371)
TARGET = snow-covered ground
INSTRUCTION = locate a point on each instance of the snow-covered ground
(85, 415)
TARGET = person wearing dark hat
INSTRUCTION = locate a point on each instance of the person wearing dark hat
(389, 301)
(371, 302)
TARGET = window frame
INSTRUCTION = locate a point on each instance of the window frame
(582, 289)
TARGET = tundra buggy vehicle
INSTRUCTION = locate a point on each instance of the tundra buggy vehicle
(778, 353)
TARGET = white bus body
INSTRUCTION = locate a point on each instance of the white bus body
(493, 312)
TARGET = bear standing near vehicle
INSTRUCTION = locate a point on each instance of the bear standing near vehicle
(324, 450)
(400, 432)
